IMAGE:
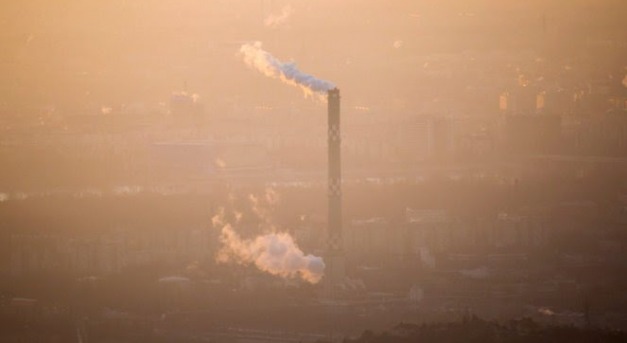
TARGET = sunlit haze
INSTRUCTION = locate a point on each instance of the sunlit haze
(313, 171)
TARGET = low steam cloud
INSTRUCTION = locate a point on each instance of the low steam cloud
(257, 58)
(275, 252)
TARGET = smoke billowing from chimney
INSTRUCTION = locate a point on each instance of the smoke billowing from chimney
(265, 63)
(274, 253)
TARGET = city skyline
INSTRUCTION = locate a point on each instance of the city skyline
(188, 171)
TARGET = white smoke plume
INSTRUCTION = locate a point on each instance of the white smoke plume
(238, 216)
(257, 209)
(546, 311)
(218, 219)
(261, 205)
(276, 20)
(272, 197)
(257, 58)
(274, 253)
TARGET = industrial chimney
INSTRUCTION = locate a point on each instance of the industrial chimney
(335, 270)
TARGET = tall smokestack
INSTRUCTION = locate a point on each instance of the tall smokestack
(335, 250)
(335, 172)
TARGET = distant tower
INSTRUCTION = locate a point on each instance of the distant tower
(336, 269)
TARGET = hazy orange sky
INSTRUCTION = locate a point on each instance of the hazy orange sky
(63, 52)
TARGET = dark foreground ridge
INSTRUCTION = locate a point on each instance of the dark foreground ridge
(478, 330)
